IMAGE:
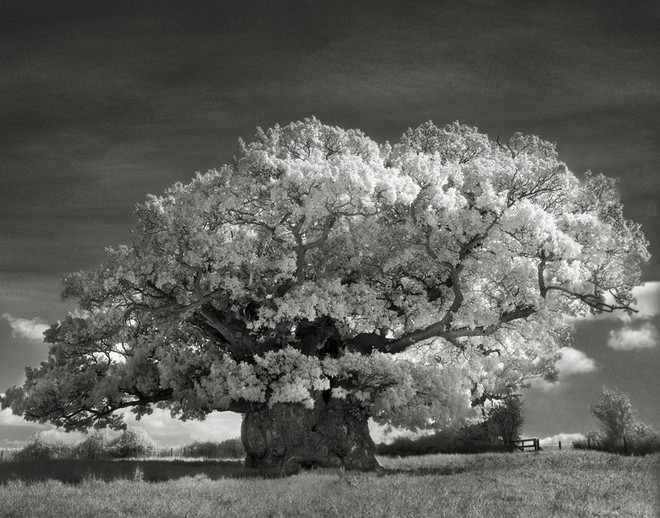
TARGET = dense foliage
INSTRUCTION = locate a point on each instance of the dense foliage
(615, 413)
(505, 421)
(416, 280)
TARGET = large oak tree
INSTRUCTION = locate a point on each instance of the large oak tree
(321, 280)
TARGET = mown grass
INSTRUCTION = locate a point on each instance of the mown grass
(567, 483)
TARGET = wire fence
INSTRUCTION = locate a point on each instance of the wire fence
(535, 445)
(8, 454)
(232, 450)
(556, 446)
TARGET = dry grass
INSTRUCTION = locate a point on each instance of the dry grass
(567, 483)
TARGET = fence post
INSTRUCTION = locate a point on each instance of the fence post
(588, 443)
(560, 445)
(625, 445)
(171, 452)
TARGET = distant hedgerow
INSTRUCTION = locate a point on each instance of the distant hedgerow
(228, 449)
(97, 445)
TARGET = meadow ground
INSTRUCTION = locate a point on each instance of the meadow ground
(567, 483)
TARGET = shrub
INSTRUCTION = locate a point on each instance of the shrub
(642, 439)
(632, 443)
(131, 443)
(94, 447)
(38, 449)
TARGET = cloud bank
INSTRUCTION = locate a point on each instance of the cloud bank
(167, 431)
(58, 436)
(648, 299)
(572, 362)
(7, 418)
(163, 429)
(636, 330)
(629, 338)
(29, 329)
(565, 438)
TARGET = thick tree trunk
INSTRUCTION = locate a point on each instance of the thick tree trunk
(286, 437)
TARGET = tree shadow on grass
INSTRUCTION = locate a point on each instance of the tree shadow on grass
(75, 471)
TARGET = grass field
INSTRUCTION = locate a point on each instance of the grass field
(567, 483)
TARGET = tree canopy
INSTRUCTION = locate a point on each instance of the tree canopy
(417, 279)
(506, 420)
(615, 414)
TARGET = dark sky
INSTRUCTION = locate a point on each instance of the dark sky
(104, 102)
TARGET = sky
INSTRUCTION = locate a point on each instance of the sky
(104, 102)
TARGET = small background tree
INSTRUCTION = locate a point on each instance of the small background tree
(132, 443)
(615, 414)
(95, 446)
(506, 419)
(620, 432)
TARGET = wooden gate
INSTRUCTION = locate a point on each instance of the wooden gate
(527, 444)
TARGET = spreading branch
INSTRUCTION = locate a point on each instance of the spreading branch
(439, 330)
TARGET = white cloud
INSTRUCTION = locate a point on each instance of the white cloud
(565, 438)
(12, 444)
(648, 299)
(572, 362)
(163, 429)
(9, 419)
(629, 338)
(167, 431)
(545, 386)
(56, 436)
(387, 434)
(31, 329)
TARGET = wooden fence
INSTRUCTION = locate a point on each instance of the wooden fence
(527, 444)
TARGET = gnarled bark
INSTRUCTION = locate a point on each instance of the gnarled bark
(286, 437)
